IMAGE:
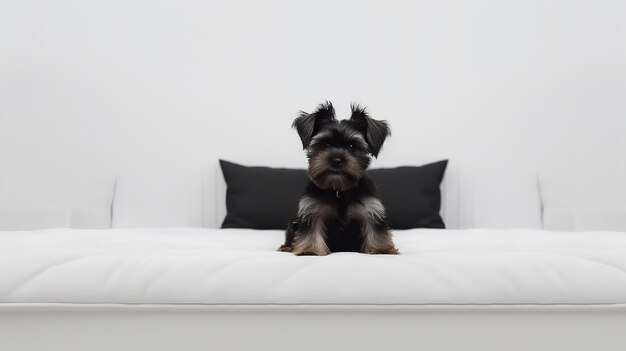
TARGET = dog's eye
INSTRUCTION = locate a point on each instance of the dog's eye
(326, 146)
(351, 146)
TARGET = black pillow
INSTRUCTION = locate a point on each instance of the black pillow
(267, 198)
(411, 194)
(261, 197)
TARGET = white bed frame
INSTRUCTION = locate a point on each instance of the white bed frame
(93, 327)
(60, 327)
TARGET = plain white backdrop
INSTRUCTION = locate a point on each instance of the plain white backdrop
(154, 92)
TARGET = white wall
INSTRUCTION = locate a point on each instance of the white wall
(157, 91)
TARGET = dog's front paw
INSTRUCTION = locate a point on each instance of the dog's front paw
(386, 251)
(284, 248)
(307, 253)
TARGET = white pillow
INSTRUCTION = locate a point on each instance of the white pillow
(571, 204)
(86, 204)
(585, 219)
(35, 217)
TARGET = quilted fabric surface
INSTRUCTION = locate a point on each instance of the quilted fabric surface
(240, 266)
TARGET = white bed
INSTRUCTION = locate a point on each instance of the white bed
(185, 288)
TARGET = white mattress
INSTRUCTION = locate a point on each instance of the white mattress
(230, 266)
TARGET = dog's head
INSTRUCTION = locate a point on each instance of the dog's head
(339, 152)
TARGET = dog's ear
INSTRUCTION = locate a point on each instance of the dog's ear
(308, 124)
(375, 131)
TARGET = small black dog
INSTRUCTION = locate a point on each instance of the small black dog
(340, 209)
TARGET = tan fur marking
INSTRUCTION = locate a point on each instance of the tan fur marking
(312, 242)
(375, 242)
(307, 209)
(374, 208)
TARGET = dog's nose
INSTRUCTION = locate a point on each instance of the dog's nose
(336, 161)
